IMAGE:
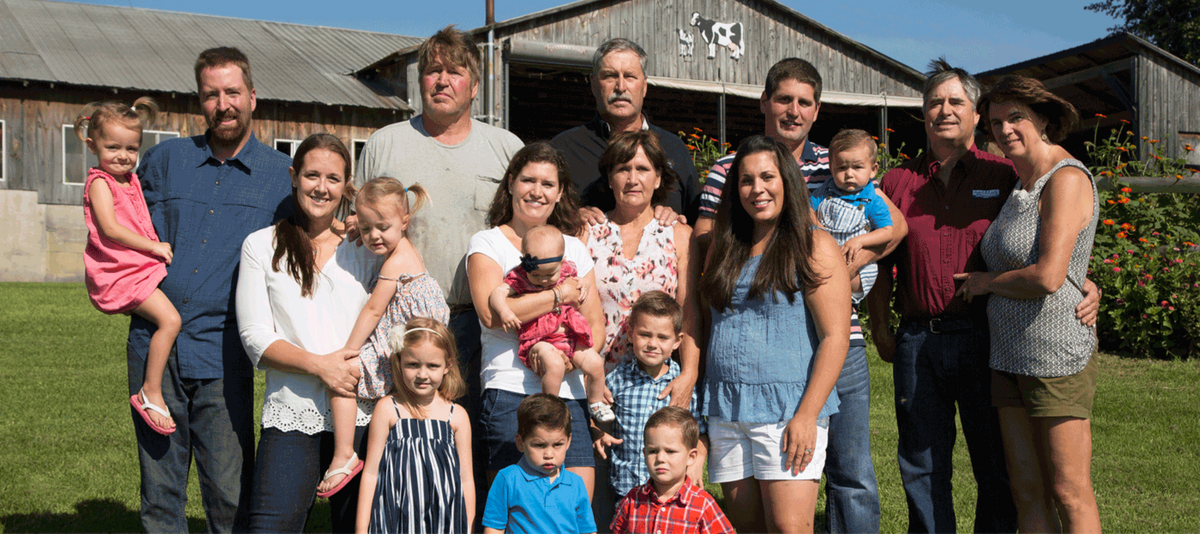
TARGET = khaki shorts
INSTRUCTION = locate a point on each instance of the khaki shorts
(1060, 396)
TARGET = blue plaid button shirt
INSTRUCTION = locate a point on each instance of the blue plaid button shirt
(636, 398)
(205, 208)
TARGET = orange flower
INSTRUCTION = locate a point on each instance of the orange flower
(1112, 202)
(1122, 149)
(1143, 240)
(1102, 116)
(1153, 141)
(697, 129)
(1126, 226)
(890, 130)
(693, 136)
(1144, 138)
(1110, 222)
(1187, 148)
(1121, 235)
(1178, 176)
(1124, 200)
(1126, 190)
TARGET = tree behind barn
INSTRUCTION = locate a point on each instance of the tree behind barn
(1173, 25)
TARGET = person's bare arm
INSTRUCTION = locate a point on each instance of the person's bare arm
(1064, 213)
(899, 231)
(101, 200)
(485, 275)
(854, 246)
(680, 389)
(499, 303)
(828, 303)
(372, 312)
(879, 306)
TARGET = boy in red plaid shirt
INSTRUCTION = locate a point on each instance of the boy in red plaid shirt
(669, 503)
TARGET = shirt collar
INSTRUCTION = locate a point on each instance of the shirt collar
(605, 130)
(810, 152)
(933, 165)
(244, 154)
(683, 497)
(532, 473)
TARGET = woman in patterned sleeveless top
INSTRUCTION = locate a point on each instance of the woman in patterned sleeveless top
(1043, 375)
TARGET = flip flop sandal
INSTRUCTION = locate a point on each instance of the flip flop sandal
(602, 412)
(345, 470)
(140, 404)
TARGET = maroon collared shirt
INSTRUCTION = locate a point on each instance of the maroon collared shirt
(945, 226)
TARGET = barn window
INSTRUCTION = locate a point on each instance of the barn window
(287, 146)
(3, 150)
(77, 159)
(356, 148)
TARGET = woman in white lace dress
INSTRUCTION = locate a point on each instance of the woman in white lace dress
(1037, 251)
(300, 287)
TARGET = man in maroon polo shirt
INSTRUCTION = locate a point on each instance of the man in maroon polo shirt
(948, 197)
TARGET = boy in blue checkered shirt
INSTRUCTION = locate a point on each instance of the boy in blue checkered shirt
(654, 324)
(848, 206)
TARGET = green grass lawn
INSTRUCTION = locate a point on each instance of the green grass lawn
(68, 461)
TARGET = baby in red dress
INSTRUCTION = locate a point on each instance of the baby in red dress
(549, 341)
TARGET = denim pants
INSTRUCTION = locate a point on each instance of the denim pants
(286, 474)
(214, 421)
(851, 493)
(467, 331)
(933, 372)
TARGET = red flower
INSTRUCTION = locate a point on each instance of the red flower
(1116, 269)
(1102, 116)
(1121, 235)
(1143, 240)
(1110, 222)
(1126, 190)
(1124, 200)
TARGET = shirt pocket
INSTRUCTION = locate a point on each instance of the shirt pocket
(485, 191)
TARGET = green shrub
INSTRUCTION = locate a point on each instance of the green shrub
(1144, 258)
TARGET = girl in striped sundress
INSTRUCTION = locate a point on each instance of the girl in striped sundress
(417, 476)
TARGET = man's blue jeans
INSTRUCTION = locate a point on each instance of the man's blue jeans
(932, 373)
(214, 420)
(851, 493)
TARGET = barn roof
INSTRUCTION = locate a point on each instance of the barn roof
(151, 50)
(1087, 58)
(582, 6)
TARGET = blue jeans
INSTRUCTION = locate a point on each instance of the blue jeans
(851, 493)
(932, 373)
(214, 421)
(467, 331)
(286, 474)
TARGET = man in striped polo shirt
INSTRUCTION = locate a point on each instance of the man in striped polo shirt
(790, 103)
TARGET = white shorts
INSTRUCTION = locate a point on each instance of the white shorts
(744, 450)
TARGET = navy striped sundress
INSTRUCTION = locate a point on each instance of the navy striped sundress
(419, 488)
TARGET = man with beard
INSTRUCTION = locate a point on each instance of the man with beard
(206, 194)
(619, 85)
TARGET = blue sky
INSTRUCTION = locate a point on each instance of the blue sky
(975, 35)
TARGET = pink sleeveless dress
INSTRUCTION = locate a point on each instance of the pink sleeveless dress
(577, 335)
(120, 278)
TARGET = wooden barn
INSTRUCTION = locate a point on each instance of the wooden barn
(537, 66)
(56, 56)
(1122, 77)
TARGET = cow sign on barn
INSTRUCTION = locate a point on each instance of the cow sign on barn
(726, 34)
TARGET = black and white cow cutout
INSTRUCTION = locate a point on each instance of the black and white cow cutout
(726, 34)
(687, 43)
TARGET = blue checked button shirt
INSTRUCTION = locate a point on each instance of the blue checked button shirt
(635, 397)
(205, 208)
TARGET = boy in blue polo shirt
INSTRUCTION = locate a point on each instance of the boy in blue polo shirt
(848, 206)
(537, 495)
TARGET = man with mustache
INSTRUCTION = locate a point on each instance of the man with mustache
(949, 196)
(619, 85)
(790, 104)
(206, 194)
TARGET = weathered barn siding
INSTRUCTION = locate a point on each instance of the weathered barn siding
(1168, 103)
(770, 33)
(34, 117)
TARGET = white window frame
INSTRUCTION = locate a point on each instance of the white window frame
(89, 158)
(3, 150)
(295, 143)
(354, 154)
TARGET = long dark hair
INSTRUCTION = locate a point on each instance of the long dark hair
(623, 147)
(785, 265)
(565, 215)
(291, 234)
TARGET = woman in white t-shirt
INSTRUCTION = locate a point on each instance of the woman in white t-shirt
(300, 288)
(536, 190)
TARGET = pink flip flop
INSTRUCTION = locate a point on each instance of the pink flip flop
(140, 404)
(345, 470)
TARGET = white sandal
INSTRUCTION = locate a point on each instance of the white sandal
(345, 470)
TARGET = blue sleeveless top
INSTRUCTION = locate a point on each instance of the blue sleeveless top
(760, 357)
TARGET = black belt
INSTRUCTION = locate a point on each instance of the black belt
(944, 325)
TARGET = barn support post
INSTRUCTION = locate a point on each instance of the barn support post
(721, 117)
(883, 123)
